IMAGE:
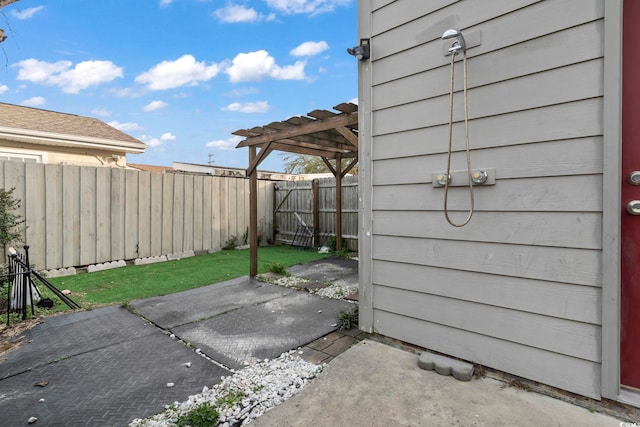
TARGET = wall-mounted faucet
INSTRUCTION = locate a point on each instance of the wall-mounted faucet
(459, 44)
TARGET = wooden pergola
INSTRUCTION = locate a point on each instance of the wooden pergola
(321, 133)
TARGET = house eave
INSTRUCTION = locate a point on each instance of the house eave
(71, 141)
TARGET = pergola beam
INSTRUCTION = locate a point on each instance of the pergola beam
(305, 129)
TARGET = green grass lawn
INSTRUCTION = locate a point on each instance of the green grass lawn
(121, 285)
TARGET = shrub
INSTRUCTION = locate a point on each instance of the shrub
(348, 319)
(278, 269)
(203, 415)
(231, 243)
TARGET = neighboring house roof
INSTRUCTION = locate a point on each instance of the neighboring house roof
(43, 127)
(151, 168)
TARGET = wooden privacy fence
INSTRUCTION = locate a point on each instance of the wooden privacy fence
(314, 204)
(78, 216)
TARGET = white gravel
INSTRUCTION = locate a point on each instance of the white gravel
(336, 291)
(261, 386)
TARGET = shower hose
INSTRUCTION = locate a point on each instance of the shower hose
(466, 139)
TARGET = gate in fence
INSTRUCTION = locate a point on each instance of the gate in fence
(304, 212)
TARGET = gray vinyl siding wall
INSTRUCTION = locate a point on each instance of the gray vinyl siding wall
(519, 288)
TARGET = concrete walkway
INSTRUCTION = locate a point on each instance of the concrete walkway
(373, 384)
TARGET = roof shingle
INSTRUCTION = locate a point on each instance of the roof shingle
(19, 117)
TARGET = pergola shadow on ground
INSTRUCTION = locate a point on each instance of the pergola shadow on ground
(329, 135)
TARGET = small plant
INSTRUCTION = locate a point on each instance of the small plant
(203, 415)
(348, 319)
(278, 268)
(231, 243)
(344, 252)
(332, 244)
(479, 371)
(245, 236)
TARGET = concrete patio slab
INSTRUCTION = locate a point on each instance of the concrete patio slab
(373, 384)
(193, 305)
(252, 332)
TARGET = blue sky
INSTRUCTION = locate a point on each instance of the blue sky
(181, 75)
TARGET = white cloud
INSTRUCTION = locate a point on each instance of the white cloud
(254, 66)
(70, 80)
(354, 101)
(248, 107)
(225, 144)
(125, 127)
(154, 105)
(3, 89)
(236, 13)
(102, 112)
(156, 142)
(34, 102)
(244, 91)
(233, 14)
(172, 74)
(150, 141)
(312, 7)
(27, 13)
(309, 48)
(165, 3)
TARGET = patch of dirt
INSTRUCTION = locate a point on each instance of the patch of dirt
(12, 336)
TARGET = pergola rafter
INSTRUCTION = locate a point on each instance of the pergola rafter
(323, 133)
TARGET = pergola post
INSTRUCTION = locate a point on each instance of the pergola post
(315, 202)
(338, 202)
(253, 215)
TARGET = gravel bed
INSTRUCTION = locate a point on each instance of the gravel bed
(247, 394)
(336, 291)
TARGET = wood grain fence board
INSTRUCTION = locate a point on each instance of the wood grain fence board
(103, 215)
(88, 200)
(188, 215)
(167, 213)
(178, 213)
(155, 215)
(35, 208)
(117, 214)
(144, 210)
(53, 208)
(232, 202)
(198, 213)
(223, 210)
(70, 223)
(131, 214)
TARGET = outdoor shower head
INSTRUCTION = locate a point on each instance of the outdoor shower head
(459, 44)
(450, 33)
